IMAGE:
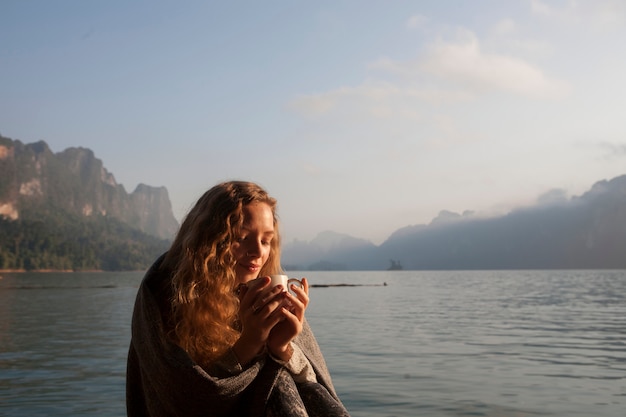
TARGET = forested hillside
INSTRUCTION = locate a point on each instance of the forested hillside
(65, 242)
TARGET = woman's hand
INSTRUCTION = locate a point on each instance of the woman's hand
(291, 318)
(257, 308)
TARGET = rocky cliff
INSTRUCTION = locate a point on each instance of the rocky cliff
(33, 180)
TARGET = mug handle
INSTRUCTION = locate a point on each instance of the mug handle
(292, 280)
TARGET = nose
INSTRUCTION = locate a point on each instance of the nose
(254, 249)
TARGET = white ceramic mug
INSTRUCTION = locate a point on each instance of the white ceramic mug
(283, 280)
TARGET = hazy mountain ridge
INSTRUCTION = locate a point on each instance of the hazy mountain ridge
(588, 231)
(328, 251)
(66, 211)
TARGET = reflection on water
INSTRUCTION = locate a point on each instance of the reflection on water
(515, 343)
(523, 343)
(63, 343)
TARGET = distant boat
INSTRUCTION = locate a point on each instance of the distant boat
(394, 265)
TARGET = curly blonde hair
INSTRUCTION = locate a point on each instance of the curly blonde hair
(204, 305)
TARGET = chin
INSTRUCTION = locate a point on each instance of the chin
(246, 276)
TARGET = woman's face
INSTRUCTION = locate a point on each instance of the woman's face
(252, 248)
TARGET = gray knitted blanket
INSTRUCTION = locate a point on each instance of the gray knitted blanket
(162, 380)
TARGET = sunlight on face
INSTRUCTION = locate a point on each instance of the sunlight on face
(252, 248)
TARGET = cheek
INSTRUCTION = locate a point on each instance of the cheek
(236, 250)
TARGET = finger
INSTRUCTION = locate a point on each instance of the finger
(295, 305)
(285, 315)
(267, 302)
(300, 283)
(274, 317)
(302, 294)
(259, 283)
(241, 290)
(269, 294)
(252, 290)
(300, 299)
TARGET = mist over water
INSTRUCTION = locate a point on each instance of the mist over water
(496, 343)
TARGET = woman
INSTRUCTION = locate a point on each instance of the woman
(210, 337)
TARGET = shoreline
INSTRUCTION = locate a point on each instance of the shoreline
(384, 284)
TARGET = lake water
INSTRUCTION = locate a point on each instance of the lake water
(496, 343)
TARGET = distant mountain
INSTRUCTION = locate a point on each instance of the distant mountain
(59, 194)
(582, 232)
(588, 231)
(328, 251)
(66, 211)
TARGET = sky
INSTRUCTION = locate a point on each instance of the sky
(360, 117)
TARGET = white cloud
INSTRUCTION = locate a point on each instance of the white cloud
(541, 8)
(609, 13)
(505, 27)
(408, 69)
(508, 35)
(315, 104)
(465, 63)
(529, 47)
(602, 14)
(612, 150)
(375, 98)
(416, 21)
(416, 100)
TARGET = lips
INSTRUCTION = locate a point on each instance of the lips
(251, 267)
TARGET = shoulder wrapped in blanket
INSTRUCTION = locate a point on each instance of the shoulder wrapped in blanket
(162, 380)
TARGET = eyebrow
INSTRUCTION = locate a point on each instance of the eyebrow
(267, 232)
